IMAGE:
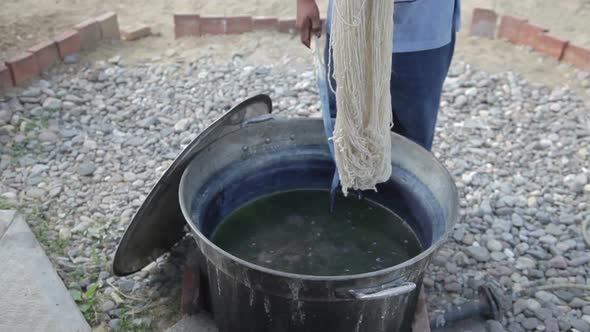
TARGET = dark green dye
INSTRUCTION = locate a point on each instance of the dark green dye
(294, 232)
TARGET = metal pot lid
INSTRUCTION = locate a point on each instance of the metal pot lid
(158, 224)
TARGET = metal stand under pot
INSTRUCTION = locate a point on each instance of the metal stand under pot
(247, 154)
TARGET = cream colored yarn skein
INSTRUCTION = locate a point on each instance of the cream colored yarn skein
(361, 42)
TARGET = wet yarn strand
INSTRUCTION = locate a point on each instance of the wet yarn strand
(361, 44)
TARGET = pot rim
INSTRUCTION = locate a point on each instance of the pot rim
(277, 273)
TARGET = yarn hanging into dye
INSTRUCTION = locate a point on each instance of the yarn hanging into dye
(361, 44)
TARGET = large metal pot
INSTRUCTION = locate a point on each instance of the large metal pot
(240, 161)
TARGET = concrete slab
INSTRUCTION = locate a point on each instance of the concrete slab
(198, 323)
(32, 295)
(6, 218)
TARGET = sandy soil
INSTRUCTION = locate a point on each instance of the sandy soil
(24, 22)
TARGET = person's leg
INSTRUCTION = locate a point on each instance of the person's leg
(416, 86)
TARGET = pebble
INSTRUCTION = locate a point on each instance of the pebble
(554, 229)
(551, 325)
(577, 303)
(494, 326)
(65, 234)
(107, 306)
(558, 262)
(533, 305)
(525, 263)
(481, 254)
(114, 324)
(460, 258)
(546, 297)
(129, 176)
(581, 260)
(182, 125)
(517, 220)
(73, 58)
(580, 325)
(52, 103)
(36, 193)
(530, 323)
(86, 168)
(515, 327)
(498, 256)
(520, 305)
(47, 136)
(127, 286)
(494, 245)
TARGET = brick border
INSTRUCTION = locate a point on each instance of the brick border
(529, 34)
(483, 23)
(86, 35)
(550, 46)
(577, 56)
(510, 28)
(519, 31)
(186, 25)
(90, 34)
(6, 81)
(135, 33)
(68, 42)
(23, 67)
(46, 54)
(83, 36)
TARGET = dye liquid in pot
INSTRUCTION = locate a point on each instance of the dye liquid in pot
(294, 232)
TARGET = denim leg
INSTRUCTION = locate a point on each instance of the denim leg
(416, 85)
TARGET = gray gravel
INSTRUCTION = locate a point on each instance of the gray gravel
(81, 150)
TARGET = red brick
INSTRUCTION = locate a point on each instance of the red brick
(109, 26)
(23, 67)
(214, 25)
(483, 23)
(577, 56)
(551, 46)
(190, 296)
(5, 78)
(135, 33)
(238, 24)
(529, 34)
(46, 54)
(287, 26)
(510, 28)
(68, 42)
(90, 34)
(266, 23)
(186, 25)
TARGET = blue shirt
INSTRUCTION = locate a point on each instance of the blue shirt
(421, 24)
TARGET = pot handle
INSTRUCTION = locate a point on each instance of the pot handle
(258, 119)
(387, 290)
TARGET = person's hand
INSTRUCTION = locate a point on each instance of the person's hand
(308, 20)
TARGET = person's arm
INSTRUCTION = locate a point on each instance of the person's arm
(308, 20)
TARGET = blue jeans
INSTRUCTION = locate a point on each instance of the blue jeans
(416, 85)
